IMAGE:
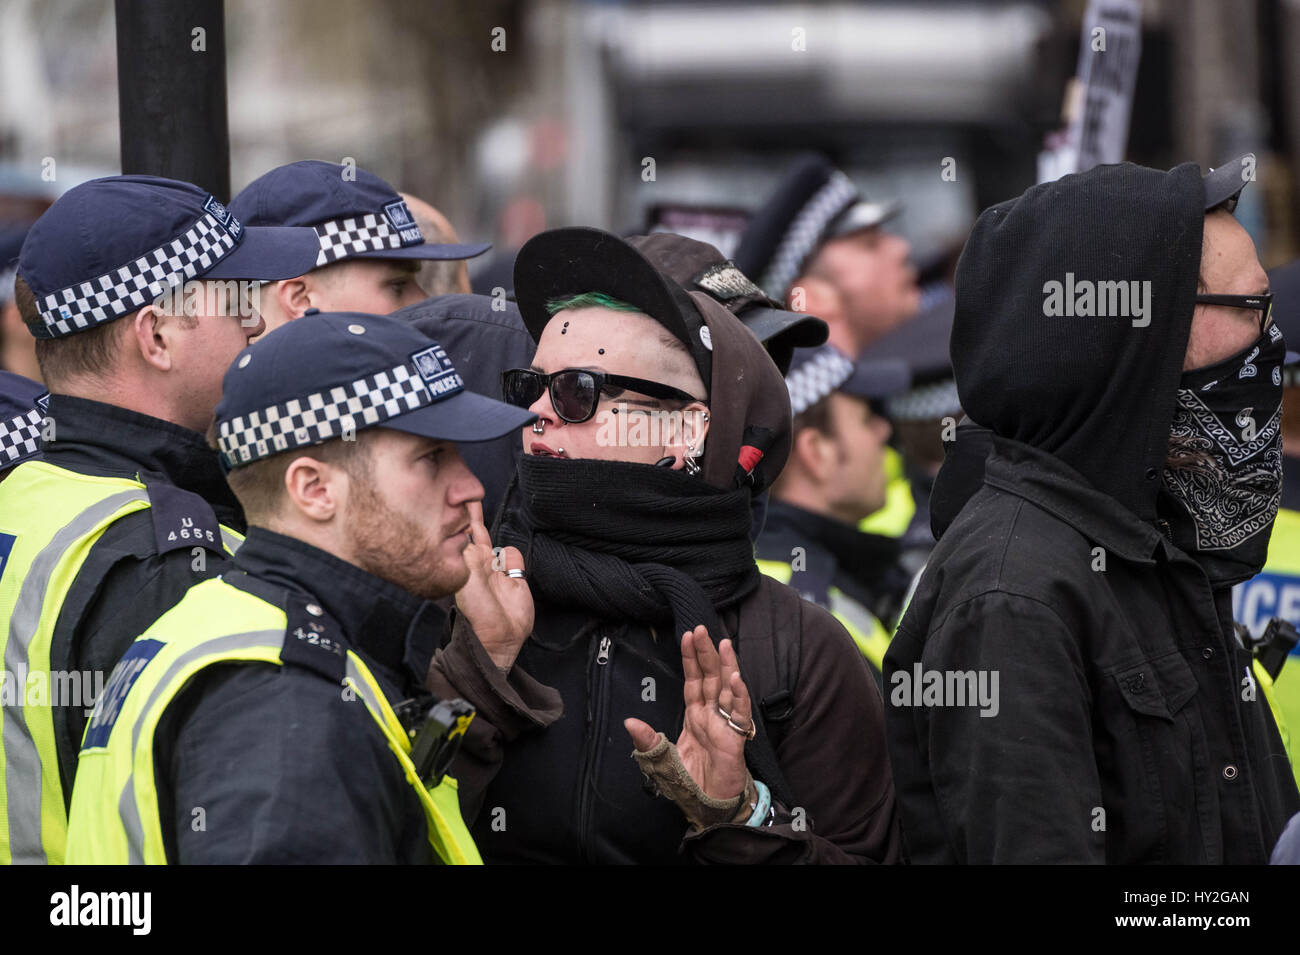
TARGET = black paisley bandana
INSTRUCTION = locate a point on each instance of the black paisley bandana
(1227, 439)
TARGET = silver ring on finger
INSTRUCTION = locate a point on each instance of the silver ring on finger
(748, 733)
(516, 573)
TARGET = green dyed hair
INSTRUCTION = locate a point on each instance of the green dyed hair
(588, 300)
(601, 300)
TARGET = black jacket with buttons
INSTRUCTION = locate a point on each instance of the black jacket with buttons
(1127, 728)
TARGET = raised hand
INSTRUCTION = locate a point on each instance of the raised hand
(712, 751)
(499, 607)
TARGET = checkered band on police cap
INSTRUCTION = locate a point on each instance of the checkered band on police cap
(393, 228)
(926, 402)
(20, 437)
(816, 378)
(805, 232)
(143, 280)
(341, 410)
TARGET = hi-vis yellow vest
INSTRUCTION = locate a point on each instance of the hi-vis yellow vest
(49, 520)
(893, 519)
(1275, 592)
(863, 626)
(115, 816)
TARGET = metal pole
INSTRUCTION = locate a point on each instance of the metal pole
(171, 80)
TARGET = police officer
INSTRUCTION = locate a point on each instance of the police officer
(1274, 593)
(820, 245)
(816, 225)
(445, 277)
(370, 246)
(23, 404)
(835, 476)
(117, 281)
(320, 746)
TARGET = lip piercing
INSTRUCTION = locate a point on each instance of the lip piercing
(559, 450)
(538, 427)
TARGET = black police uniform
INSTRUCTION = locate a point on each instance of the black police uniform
(284, 767)
(106, 249)
(132, 574)
(864, 566)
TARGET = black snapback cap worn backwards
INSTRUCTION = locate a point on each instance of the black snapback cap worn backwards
(562, 263)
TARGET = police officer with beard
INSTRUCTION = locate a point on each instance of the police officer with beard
(277, 714)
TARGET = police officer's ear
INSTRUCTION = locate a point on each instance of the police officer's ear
(814, 295)
(293, 296)
(151, 331)
(315, 490)
(813, 451)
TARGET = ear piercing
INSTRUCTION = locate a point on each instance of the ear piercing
(692, 466)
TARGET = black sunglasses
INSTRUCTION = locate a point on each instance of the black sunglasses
(1262, 303)
(575, 391)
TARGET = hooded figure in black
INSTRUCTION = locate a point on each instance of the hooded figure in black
(1066, 684)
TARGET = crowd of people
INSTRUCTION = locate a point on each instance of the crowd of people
(310, 554)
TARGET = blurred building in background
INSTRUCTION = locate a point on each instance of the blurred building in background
(513, 116)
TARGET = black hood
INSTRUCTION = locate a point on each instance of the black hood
(1096, 392)
(961, 475)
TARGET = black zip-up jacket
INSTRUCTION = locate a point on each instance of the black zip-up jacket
(285, 768)
(548, 782)
(1121, 733)
(133, 574)
(1124, 725)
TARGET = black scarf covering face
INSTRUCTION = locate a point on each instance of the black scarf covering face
(631, 542)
